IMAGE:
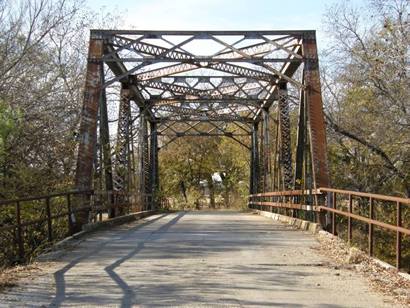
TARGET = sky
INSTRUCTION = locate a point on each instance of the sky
(221, 14)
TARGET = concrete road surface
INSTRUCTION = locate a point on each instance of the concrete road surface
(195, 259)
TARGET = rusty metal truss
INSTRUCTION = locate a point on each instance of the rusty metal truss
(235, 84)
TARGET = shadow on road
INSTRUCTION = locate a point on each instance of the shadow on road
(129, 296)
(60, 294)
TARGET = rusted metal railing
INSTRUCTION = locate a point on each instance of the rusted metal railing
(23, 205)
(331, 202)
(18, 215)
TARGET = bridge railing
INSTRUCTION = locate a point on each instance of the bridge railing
(22, 222)
(28, 225)
(339, 211)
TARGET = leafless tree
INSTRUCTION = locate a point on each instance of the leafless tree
(366, 84)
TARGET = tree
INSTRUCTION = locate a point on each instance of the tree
(234, 170)
(366, 86)
(191, 161)
(43, 52)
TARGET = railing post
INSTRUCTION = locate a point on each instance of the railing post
(371, 214)
(323, 216)
(398, 237)
(349, 221)
(19, 233)
(333, 213)
(69, 214)
(49, 225)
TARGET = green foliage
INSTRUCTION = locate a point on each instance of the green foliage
(193, 163)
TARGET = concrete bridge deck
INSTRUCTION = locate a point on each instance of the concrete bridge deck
(195, 259)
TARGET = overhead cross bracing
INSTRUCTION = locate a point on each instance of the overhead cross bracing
(203, 70)
(206, 83)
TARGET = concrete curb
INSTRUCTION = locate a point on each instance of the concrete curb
(56, 249)
(296, 222)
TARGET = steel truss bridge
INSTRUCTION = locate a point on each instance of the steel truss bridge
(241, 85)
(237, 84)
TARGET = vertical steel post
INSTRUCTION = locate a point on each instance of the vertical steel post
(300, 142)
(105, 145)
(285, 141)
(349, 221)
(88, 126)
(317, 129)
(266, 151)
(334, 196)
(276, 159)
(371, 215)
(144, 161)
(261, 164)
(122, 148)
(251, 171)
(254, 160)
(131, 168)
(154, 163)
(315, 118)
(398, 236)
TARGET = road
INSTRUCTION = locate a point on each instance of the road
(195, 259)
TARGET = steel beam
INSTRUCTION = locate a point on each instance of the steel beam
(266, 151)
(300, 143)
(203, 134)
(105, 145)
(285, 139)
(254, 163)
(145, 185)
(317, 128)
(287, 69)
(200, 34)
(122, 149)
(154, 164)
(88, 125)
(204, 59)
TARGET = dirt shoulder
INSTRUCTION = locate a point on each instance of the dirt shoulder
(382, 278)
(9, 277)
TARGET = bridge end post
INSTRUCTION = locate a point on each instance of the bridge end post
(315, 115)
(88, 126)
